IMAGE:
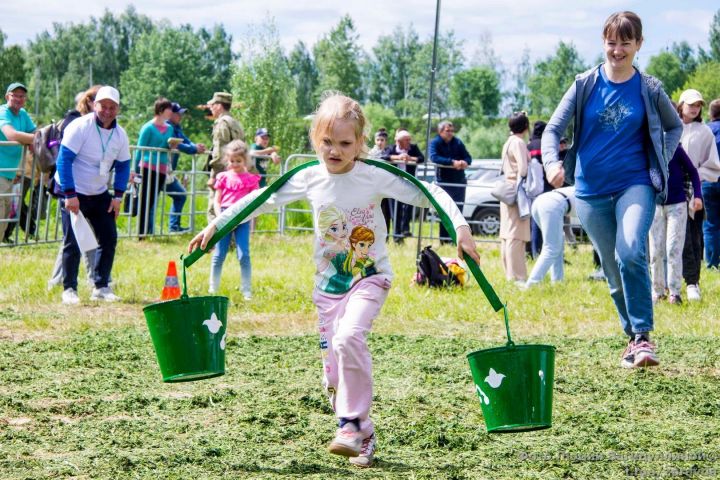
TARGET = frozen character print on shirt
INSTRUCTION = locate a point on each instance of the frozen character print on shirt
(359, 262)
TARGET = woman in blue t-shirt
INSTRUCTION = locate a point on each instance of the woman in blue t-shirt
(625, 128)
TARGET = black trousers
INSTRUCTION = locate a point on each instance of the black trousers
(693, 249)
(95, 208)
(457, 193)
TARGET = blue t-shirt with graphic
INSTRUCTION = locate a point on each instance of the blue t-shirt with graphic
(612, 155)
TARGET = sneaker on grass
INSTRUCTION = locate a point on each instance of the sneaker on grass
(693, 293)
(70, 297)
(104, 293)
(644, 353)
(627, 360)
(367, 453)
(347, 442)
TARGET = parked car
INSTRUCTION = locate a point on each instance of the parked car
(481, 209)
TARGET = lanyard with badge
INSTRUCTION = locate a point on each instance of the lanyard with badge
(105, 164)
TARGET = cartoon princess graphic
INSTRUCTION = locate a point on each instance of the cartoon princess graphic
(358, 261)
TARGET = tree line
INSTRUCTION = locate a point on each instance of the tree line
(277, 89)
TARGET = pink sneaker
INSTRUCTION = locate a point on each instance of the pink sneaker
(347, 442)
(367, 453)
(644, 353)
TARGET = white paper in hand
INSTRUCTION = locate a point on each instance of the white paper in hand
(83, 232)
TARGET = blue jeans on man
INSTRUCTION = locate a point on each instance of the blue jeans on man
(95, 208)
(177, 193)
(711, 225)
(618, 226)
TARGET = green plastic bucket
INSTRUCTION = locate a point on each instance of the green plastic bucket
(515, 386)
(189, 337)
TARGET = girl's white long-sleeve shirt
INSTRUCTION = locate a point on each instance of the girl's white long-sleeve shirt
(349, 227)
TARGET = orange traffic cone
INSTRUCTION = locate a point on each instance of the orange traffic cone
(171, 290)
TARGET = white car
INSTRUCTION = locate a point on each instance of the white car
(481, 209)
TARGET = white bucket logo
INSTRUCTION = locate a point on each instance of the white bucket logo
(483, 398)
(494, 379)
(213, 324)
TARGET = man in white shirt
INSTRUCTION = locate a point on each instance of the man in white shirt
(92, 146)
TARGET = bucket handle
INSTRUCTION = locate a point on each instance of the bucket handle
(510, 342)
(184, 279)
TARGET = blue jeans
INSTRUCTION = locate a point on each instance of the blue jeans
(618, 226)
(711, 225)
(242, 242)
(548, 211)
(177, 193)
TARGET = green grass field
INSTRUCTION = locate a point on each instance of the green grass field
(81, 394)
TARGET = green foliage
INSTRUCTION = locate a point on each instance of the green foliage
(337, 56)
(706, 80)
(667, 68)
(305, 74)
(172, 63)
(450, 62)
(476, 92)
(714, 37)
(379, 116)
(389, 70)
(520, 93)
(12, 64)
(552, 77)
(263, 83)
(484, 139)
(76, 56)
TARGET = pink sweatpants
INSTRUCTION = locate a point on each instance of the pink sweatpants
(344, 323)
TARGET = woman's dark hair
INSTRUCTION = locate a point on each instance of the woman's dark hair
(518, 122)
(381, 133)
(679, 109)
(162, 104)
(624, 26)
(538, 129)
(715, 109)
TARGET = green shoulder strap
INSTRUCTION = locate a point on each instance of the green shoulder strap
(447, 223)
(444, 218)
(237, 219)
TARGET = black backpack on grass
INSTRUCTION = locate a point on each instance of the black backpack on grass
(432, 271)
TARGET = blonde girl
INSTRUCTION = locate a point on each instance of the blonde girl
(338, 135)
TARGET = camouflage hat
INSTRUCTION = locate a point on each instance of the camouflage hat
(220, 97)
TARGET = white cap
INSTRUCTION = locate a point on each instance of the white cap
(108, 93)
(402, 134)
(691, 96)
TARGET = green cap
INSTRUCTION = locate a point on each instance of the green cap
(220, 97)
(16, 85)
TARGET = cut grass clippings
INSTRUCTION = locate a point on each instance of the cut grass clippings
(81, 394)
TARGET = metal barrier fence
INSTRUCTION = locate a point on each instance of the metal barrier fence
(149, 207)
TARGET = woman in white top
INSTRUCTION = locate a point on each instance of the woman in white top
(699, 143)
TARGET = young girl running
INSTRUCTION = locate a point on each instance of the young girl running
(344, 183)
(231, 186)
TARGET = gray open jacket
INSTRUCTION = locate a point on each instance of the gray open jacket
(664, 128)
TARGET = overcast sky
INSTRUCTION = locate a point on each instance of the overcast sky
(512, 25)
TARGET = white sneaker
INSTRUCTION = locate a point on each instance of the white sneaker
(70, 297)
(347, 442)
(104, 293)
(367, 453)
(693, 293)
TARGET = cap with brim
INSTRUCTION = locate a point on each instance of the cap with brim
(15, 86)
(220, 97)
(691, 96)
(108, 93)
(176, 108)
(262, 132)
